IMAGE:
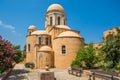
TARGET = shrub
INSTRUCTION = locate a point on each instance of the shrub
(19, 57)
(76, 63)
(85, 57)
(2, 69)
(30, 65)
(106, 66)
(118, 66)
(6, 54)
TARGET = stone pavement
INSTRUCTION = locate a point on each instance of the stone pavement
(18, 73)
(21, 73)
(59, 75)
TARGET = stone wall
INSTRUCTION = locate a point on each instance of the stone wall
(72, 46)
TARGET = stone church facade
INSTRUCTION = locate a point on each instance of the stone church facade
(56, 46)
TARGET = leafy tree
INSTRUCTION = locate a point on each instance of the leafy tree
(6, 54)
(9, 54)
(24, 48)
(19, 57)
(85, 56)
(111, 51)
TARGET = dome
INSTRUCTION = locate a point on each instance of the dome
(32, 27)
(63, 26)
(68, 34)
(55, 7)
(45, 48)
(38, 32)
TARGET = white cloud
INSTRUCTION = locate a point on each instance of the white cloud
(0, 22)
(6, 26)
(10, 27)
(13, 31)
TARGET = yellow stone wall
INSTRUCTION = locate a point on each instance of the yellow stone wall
(56, 59)
(30, 54)
(54, 16)
(72, 46)
(109, 32)
(44, 59)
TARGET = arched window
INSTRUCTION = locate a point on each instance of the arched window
(63, 49)
(58, 20)
(50, 20)
(40, 40)
(28, 47)
(47, 41)
(29, 33)
(64, 22)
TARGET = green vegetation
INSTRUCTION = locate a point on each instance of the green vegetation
(85, 57)
(9, 55)
(111, 52)
(30, 65)
(107, 57)
(20, 56)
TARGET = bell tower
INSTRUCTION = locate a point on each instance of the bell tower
(31, 29)
(55, 15)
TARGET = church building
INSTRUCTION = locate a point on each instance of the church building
(57, 45)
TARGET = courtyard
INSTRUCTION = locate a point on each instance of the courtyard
(19, 72)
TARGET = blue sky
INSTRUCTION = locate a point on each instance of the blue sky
(90, 17)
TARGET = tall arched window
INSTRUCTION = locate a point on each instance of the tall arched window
(63, 49)
(47, 41)
(28, 47)
(50, 20)
(64, 22)
(58, 20)
(29, 33)
(40, 40)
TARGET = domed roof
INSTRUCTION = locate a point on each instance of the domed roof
(45, 48)
(32, 27)
(55, 7)
(68, 34)
(63, 26)
(38, 32)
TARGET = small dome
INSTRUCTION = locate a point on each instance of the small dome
(38, 32)
(68, 34)
(55, 7)
(63, 26)
(32, 27)
(45, 48)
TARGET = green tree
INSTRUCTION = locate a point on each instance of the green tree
(111, 51)
(19, 57)
(7, 54)
(85, 56)
(24, 48)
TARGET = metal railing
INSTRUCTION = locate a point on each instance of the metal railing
(94, 75)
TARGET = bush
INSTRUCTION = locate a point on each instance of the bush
(6, 54)
(2, 69)
(85, 57)
(20, 56)
(118, 66)
(76, 63)
(106, 66)
(30, 65)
